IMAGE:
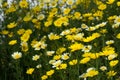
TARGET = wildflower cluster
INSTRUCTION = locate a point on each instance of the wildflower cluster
(60, 39)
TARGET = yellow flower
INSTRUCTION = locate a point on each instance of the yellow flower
(5, 32)
(107, 52)
(17, 55)
(118, 3)
(28, 31)
(91, 72)
(70, 2)
(10, 34)
(76, 46)
(47, 23)
(110, 1)
(70, 37)
(37, 25)
(103, 31)
(30, 71)
(66, 11)
(87, 54)
(12, 42)
(98, 13)
(118, 36)
(33, 42)
(56, 57)
(21, 31)
(73, 30)
(107, 48)
(87, 15)
(11, 9)
(49, 73)
(94, 55)
(85, 60)
(35, 21)
(12, 25)
(36, 9)
(44, 77)
(111, 73)
(91, 18)
(90, 38)
(5, 4)
(53, 36)
(62, 66)
(78, 2)
(96, 35)
(102, 6)
(24, 46)
(23, 4)
(110, 18)
(58, 23)
(25, 37)
(27, 18)
(46, 1)
(73, 62)
(113, 63)
(64, 20)
(77, 15)
(60, 50)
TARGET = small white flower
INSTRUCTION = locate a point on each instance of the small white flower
(117, 20)
(102, 24)
(70, 2)
(65, 32)
(17, 55)
(87, 48)
(79, 36)
(65, 56)
(37, 46)
(53, 4)
(103, 68)
(92, 28)
(109, 42)
(46, 1)
(39, 66)
(83, 76)
(43, 46)
(84, 26)
(35, 57)
(41, 17)
(91, 68)
(115, 25)
(112, 56)
(40, 45)
(52, 61)
(50, 53)
(56, 63)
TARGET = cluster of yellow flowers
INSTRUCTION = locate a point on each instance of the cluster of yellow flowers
(66, 39)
